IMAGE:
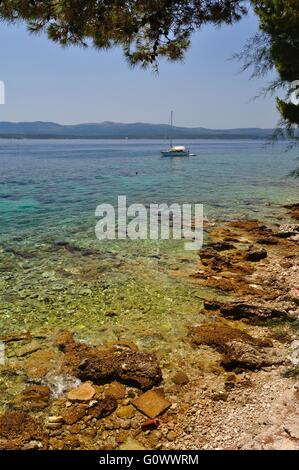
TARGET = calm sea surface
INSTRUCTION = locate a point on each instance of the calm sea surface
(49, 185)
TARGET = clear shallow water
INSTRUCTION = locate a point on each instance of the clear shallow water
(48, 193)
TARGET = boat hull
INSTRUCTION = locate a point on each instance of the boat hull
(169, 153)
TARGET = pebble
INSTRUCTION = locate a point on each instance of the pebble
(171, 436)
(55, 419)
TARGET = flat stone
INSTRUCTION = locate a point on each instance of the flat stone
(152, 403)
(85, 392)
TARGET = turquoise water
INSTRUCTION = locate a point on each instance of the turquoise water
(45, 185)
(134, 290)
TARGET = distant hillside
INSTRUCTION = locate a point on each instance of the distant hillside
(115, 130)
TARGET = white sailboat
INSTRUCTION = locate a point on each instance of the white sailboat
(175, 150)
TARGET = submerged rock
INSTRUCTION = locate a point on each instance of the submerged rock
(28, 348)
(33, 398)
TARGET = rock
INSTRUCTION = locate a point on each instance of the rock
(240, 355)
(131, 444)
(55, 419)
(267, 241)
(211, 305)
(111, 314)
(116, 390)
(116, 362)
(103, 408)
(18, 429)
(251, 312)
(39, 363)
(240, 350)
(219, 396)
(74, 413)
(221, 246)
(152, 403)
(255, 255)
(33, 398)
(294, 210)
(288, 230)
(126, 412)
(208, 253)
(150, 424)
(28, 348)
(218, 335)
(180, 378)
(171, 436)
(85, 392)
(65, 340)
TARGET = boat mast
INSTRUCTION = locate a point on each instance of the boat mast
(171, 125)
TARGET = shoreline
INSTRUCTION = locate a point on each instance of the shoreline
(231, 392)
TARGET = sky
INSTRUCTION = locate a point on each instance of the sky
(46, 82)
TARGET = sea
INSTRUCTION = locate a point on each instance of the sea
(54, 272)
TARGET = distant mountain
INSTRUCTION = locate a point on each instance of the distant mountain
(116, 130)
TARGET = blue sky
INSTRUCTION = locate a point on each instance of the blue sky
(46, 82)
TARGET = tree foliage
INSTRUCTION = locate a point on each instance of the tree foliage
(149, 29)
(145, 29)
(279, 25)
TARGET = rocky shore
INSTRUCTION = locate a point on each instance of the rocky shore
(239, 389)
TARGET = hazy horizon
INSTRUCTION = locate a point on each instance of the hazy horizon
(129, 122)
